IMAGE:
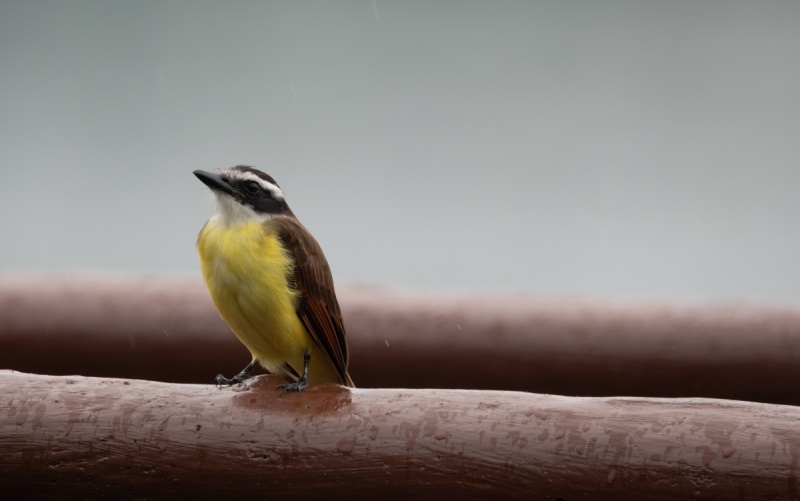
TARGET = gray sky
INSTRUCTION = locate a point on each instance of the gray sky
(620, 149)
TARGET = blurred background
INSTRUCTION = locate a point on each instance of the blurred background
(616, 149)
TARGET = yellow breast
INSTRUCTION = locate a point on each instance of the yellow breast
(247, 272)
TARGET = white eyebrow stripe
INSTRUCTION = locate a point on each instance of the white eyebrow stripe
(277, 193)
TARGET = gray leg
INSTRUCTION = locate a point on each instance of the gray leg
(301, 383)
(238, 378)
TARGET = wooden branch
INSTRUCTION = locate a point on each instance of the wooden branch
(78, 437)
(167, 329)
(84, 438)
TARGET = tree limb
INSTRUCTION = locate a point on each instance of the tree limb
(166, 329)
(78, 437)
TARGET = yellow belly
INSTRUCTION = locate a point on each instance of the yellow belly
(246, 270)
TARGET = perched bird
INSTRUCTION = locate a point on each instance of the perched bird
(271, 282)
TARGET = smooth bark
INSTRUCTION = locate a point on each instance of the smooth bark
(88, 438)
(166, 329)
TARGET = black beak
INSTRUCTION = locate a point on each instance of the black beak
(214, 182)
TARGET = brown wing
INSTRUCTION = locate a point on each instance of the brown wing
(317, 308)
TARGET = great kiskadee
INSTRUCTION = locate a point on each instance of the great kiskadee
(271, 282)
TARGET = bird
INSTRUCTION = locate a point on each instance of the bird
(270, 281)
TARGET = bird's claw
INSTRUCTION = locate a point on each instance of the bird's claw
(300, 385)
(221, 380)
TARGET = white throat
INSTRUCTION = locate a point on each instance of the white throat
(229, 212)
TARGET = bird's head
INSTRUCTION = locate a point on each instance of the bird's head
(244, 194)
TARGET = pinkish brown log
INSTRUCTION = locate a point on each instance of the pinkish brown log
(87, 438)
(165, 328)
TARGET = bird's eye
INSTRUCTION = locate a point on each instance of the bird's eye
(252, 187)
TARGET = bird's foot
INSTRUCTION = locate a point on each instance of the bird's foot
(221, 380)
(300, 385)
